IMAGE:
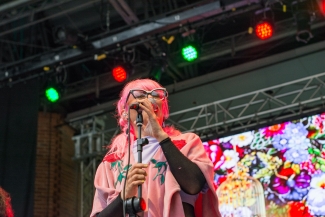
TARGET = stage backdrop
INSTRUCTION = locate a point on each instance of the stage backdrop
(288, 159)
(18, 126)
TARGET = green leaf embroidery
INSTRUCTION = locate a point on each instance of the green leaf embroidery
(120, 177)
(162, 167)
(127, 167)
(113, 164)
(162, 179)
(121, 171)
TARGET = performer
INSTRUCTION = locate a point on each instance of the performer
(5, 204)
(176, 174)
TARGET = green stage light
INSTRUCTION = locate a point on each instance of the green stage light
(189, 53)
(156, 72)
(52, 94)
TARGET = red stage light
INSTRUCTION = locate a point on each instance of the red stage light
(322, 6)
(264, 30)
(119, 73)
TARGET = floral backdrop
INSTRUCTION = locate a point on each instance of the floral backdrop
(288, 159)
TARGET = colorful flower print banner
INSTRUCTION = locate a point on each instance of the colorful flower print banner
(287, 158)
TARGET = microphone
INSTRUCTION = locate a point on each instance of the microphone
(136, 107)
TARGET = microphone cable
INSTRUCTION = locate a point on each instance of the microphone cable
(128, 161)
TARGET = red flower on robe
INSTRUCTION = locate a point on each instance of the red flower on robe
(111, 157)
(179, 143)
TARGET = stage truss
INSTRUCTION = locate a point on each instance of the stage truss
(251, 110)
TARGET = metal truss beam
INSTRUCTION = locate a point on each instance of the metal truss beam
(90, 141)
(125, 11)
(164, 24)
(12, 4)
(27, 10)
(78, 7)
(261, 107)
(250, 110)
(89, 149)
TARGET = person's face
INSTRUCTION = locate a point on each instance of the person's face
(153, 100)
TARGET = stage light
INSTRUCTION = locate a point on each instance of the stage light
(264, 29)
(190, 52)
(54, 85)
(264, 23)
(68, 36)
(65, 35)
(52, 94)
(303, 16)
(321, 5)
(120, 73)
(303, 27)
(156, 72)
(158, 66)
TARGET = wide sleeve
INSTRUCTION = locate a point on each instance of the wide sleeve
(207, 202)
(105, 193)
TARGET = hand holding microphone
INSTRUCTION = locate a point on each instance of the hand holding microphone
(152, 124)
(136, 106)
(154, 104)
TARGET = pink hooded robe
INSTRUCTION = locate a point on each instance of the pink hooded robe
(160, 190)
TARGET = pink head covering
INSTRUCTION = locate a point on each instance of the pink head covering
(119, 143)
(144, 84)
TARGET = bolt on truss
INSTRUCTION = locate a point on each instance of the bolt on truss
(265, 106)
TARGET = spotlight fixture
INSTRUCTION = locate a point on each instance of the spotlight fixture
(53, 91)
(158, 67)
(119, 73)
(190, 49)
(303, 17)
(264, 29)
(190, 52)
(264, 25)
(303, 27)
(52, 94)
(321, 5)
(54, 85)
(68, 36)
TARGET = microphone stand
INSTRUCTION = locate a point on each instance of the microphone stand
(134, 205)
